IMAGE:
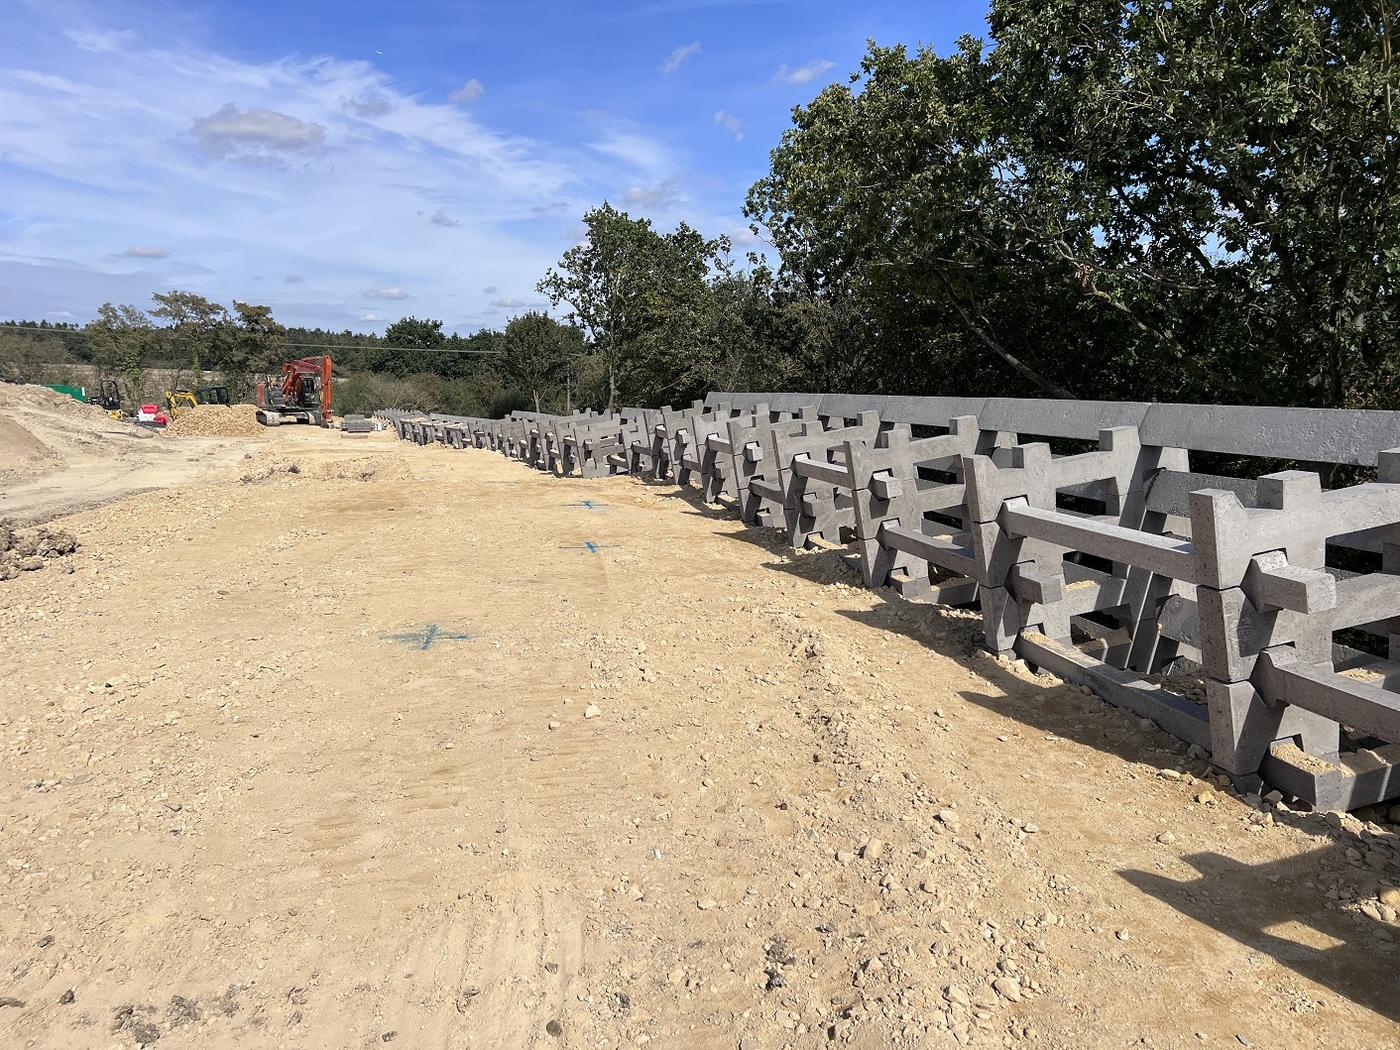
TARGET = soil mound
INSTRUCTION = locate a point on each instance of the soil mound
(42, 431)
(216, 421)
(28, 396)
(19, 448)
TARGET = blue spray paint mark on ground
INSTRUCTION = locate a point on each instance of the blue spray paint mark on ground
(426, 637)
(589, 546)
(587, 504)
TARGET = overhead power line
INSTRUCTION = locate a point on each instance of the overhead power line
(389, 346)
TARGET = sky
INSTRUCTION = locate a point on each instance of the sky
(350, 162)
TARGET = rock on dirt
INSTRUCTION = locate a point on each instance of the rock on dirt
(27, 550)
(216, 421)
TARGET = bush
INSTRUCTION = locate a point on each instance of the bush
(481, 395)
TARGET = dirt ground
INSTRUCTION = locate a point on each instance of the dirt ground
(58, 455)
(380, 750)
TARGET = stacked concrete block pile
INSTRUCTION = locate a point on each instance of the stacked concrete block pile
(1087, 539)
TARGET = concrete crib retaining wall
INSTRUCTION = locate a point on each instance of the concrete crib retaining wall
(1109, 566)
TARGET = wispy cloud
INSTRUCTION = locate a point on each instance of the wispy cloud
(660, 197)
(100, 41)
(803, 74)
(330, 172)
(731, 124)
(637, 150)
(472, 90)
(679, 55)
(370, 106)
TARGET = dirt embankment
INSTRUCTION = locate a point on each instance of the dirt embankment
(42, 430)
(413, 746)
(58, 455)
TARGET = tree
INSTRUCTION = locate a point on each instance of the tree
(121, 337)
(1157, 199)
(256, 345)
(597, 280)
(405, 336)
(643, 299)
(199, 326)
(537, 351)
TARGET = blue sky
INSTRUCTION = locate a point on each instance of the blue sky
(351, 162)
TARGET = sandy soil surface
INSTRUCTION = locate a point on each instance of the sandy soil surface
(380, 751)
(58, 456)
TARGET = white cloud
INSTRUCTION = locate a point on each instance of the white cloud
(441, 218)
(472, 90)
(659, 197)
(509, 304)
(371, 317)
(137, 251)
(731, 124)
(490, 289)
(679, 55)
(803, 74)
(386, 293)
(255, 134)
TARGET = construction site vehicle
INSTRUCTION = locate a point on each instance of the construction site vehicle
(109, 398)
(205, 395)
(301, 394)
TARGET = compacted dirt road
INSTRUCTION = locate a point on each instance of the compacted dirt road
(380, 750)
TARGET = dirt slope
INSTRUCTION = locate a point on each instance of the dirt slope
(375, 751)
(58, 455)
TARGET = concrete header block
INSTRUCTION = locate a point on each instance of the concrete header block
(1317, 435)
(1060, 419)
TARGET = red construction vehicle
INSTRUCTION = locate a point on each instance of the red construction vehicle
(302, 394)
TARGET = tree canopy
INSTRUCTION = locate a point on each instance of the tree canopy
(1155, 199)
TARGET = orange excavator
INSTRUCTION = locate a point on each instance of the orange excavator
(301, 394)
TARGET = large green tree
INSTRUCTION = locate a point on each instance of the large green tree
(410, 345)
(255, 345)
(1150, 199)
(121, 339)
(647, 302)
(198, 325)
(538, 350)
